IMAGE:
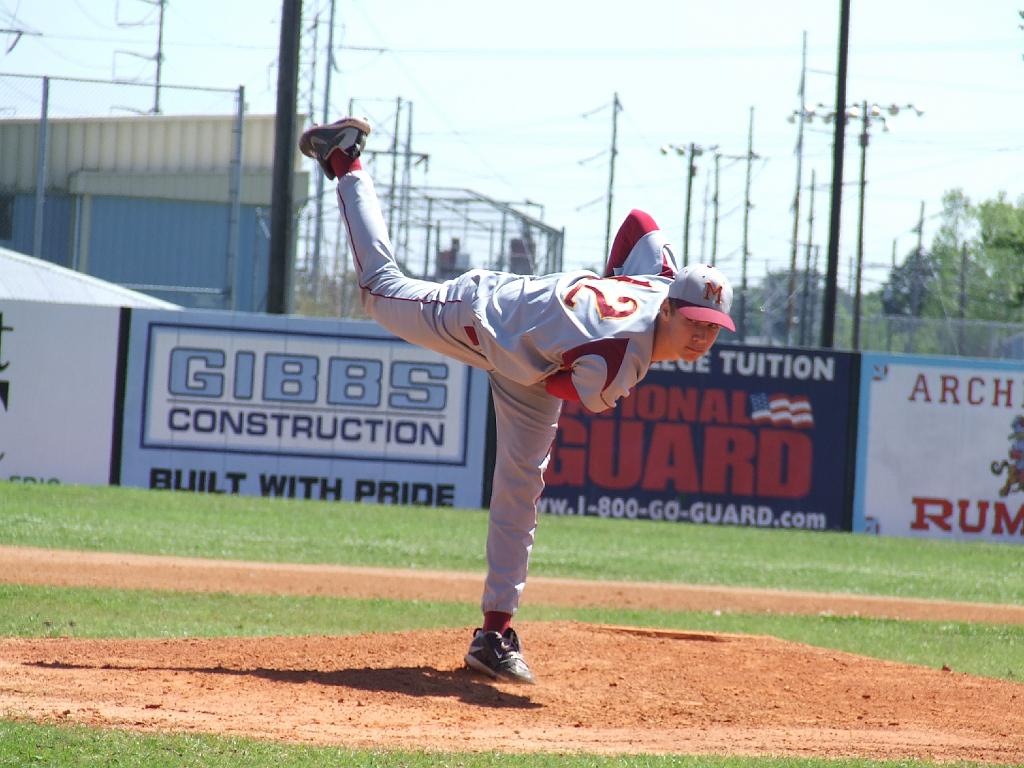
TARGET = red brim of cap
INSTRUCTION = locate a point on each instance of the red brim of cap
(708, 315)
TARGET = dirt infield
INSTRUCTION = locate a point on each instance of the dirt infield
(605, 690)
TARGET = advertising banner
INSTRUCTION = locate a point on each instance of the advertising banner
(58, 366)
(940, 450)
(745, 436)
(299, 408)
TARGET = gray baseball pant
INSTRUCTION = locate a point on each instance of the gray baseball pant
(436, 316)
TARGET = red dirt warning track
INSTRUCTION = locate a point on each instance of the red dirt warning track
(605, 690)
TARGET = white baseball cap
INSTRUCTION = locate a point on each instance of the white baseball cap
(703, 293)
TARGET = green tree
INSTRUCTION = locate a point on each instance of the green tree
(944, 262)
(1001, 257)
(975, 264)
(910, 284)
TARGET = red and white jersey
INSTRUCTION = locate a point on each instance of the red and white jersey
(601, 329)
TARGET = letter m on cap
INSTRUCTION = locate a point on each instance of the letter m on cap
(712, 292)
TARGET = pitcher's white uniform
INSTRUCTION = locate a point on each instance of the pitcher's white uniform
(522, 330)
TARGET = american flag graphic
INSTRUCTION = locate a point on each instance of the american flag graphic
(781, 410)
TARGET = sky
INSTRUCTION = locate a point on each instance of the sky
(515, 101)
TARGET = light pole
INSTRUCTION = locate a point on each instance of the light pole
(867, 113)
(692, 151)
(616, 108)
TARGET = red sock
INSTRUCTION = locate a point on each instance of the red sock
(342, 163)
(497, 621)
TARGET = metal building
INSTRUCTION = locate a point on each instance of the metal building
(175, 206)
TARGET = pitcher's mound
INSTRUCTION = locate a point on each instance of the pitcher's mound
(600, 689)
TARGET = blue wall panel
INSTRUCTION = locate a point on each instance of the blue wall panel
(154, 242)
(56, 227)
(175, 243)
(21, 239)
(158, 241)
(254, 255)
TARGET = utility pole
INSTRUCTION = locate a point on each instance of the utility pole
(868, 113)
(392, 230)
(963, 297)
(691, 151)
(805, 302)
(42, 162)
(159, 56)
(402, 160)
(233, 276)
(860, 229)
(746, 229)
(791, 301)
(691, 171)
(749, 157)
(704, 224)
(714, 223)
(282, 223)
(429, 219)
(814, 299)
(319, 227)
(407, 182)
(915, 284)
(616, 108)
(157, 59)
(828, 320)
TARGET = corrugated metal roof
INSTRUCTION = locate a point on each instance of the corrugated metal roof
(23, 277)
(212, 187)
(152, 144)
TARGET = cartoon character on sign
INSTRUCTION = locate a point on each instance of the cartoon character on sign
(5, 386)
(1015, 466)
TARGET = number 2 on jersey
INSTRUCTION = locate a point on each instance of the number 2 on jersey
(601, 289)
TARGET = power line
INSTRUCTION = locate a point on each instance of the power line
(18, 34)
(90, 17)
(425, 93)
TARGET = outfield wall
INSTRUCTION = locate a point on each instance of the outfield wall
(298, 408)
(251, 404)
(940, 450)
(236, 403)
(58, 391)
(745, 436)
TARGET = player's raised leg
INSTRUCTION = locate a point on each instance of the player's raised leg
(420, 311)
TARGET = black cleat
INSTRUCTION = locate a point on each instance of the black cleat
(498, 656)
(347, 136)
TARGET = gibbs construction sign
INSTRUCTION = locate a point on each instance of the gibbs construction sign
(299, 408)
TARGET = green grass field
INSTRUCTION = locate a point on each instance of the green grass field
(127, 520)
(33, 745)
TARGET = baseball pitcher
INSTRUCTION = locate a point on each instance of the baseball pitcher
(568, 336)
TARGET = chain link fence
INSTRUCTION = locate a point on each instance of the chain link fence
(885, 333)
(167, 189)
(134, 183)
(22, 97)
(933, 336)
(84, 198)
